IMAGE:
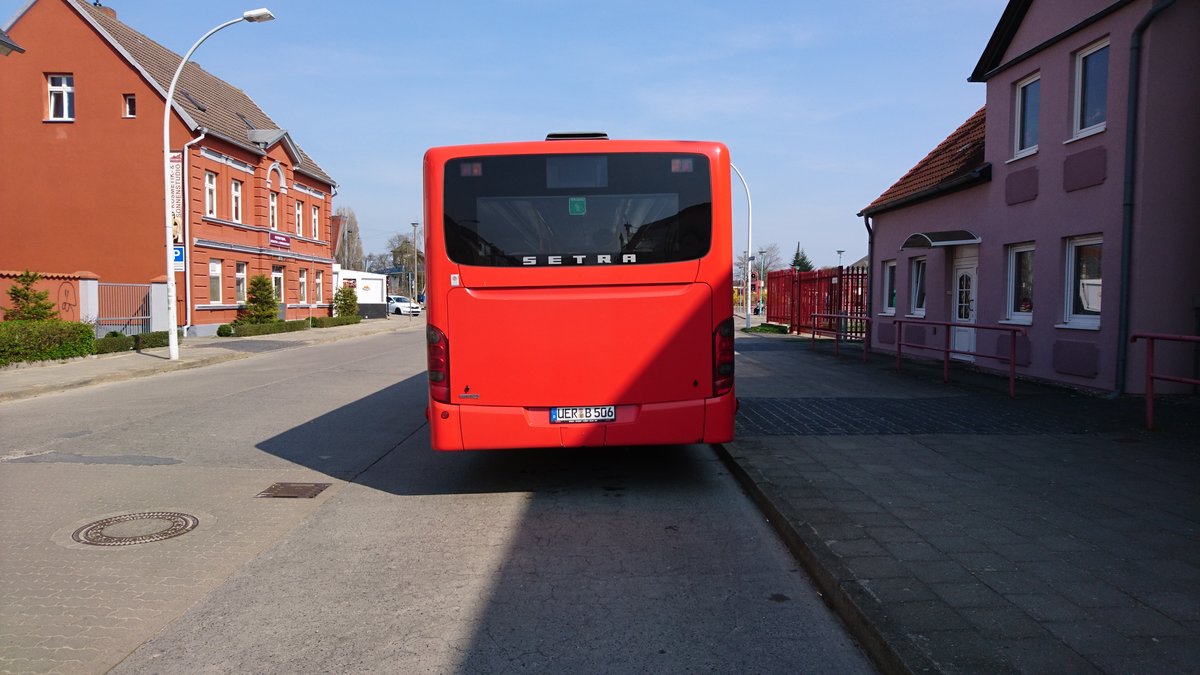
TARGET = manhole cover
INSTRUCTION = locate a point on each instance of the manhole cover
(135, 528)
(294, 490)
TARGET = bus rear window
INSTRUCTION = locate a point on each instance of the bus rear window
(594, 209)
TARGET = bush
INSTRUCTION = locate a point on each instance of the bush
(47, 340)
(330, 321)
(113, 342)
(159, 338)
(28, 304)
(345, 302)
(248, 329)
(224, 330)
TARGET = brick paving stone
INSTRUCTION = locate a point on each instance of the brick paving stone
(968, 594)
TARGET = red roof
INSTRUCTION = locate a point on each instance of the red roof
(951, 164)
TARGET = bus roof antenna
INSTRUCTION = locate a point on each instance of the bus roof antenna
(577, 136)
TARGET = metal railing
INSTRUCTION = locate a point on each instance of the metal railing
(839, 326)
(946, 350)
(124, 308)
(1151, 376)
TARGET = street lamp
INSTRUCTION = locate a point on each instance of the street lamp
(840, 252)
(413, 291)
(749, 231)
(253, 16)
(762, 275)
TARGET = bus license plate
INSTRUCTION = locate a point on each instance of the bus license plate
(583, 414)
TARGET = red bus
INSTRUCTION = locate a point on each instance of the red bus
(579, 293)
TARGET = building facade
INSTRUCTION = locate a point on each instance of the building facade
(82, 170)
(1063, 207)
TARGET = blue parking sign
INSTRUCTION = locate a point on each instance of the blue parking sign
(178, 258)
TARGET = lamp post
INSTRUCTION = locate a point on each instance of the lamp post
(413, 291)
(840, 252)
(253, 16)
(749, 232)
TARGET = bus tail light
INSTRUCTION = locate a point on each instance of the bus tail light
(723, 358)
(438, 349)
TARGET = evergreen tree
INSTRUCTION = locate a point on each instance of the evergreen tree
(800, 262)
(28, 304)
(345, 301)
(261, 304)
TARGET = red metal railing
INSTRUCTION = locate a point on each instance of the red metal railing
(946, 350)
(1151, 376)
(843, 328)
(799, 300)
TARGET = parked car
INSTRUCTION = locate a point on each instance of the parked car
(398, 304)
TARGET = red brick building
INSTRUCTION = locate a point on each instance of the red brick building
(82, 172)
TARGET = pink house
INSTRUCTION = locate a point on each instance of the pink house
(1064, 207)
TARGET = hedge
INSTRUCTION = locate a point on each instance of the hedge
(113, 343)
(330, 321)
(44, 340)
(248, 329)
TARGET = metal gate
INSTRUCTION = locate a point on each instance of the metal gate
(124, 308)
(794, 297)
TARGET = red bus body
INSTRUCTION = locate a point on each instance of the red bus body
(516, 343)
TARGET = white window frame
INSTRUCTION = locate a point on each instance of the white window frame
(63, 91)
(319, 287)
(273, 207)
(1012, 312)
(1074, 287)
(1077, 128)
(1018, 120)
(239, 276)
(303, 286)
(129, 106)
(299, 217)
(210, 194)
(277, 280)
(235, 200)
(215, 266)
(316, 222)
(918, 285)
(889, 287)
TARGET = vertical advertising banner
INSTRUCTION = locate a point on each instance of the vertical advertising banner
(176, 165)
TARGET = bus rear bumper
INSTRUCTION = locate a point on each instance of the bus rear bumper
(475, 427)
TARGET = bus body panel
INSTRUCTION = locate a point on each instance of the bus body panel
(581, 346)
(639, 337)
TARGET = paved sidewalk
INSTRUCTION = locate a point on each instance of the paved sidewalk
(34, 379)
(957, 530)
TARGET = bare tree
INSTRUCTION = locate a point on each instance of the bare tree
(766, 258)
(349, 249)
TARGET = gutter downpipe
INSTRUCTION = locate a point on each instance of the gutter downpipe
(1131, 121)
(870, 278)
(187, 235)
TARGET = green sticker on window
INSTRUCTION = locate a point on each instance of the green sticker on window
(577, 206)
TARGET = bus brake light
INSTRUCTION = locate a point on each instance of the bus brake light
(438, 349)
(723, 358)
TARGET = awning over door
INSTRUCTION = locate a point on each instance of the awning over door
(941, 238)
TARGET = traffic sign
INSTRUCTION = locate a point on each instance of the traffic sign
(178, 257)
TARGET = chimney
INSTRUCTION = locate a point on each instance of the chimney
(106, 11)
(336, 223)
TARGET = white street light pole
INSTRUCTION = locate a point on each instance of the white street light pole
(749, 232)
(253, 16)
(840, 252)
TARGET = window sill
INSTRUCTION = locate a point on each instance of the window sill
(218, 306)
(1016, 322)
(915, 316)
(1086, 133)
(1078, 326)
(892, 313)
(62, 121)
(1022, 155)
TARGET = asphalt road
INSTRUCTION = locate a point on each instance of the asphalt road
(625, 560)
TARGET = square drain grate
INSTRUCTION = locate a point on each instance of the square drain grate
(294, 490)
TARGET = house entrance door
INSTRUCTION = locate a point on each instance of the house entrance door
(962, 338)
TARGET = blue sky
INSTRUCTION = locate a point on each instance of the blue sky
(823, 104)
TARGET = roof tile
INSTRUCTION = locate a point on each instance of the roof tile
(960, 154)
